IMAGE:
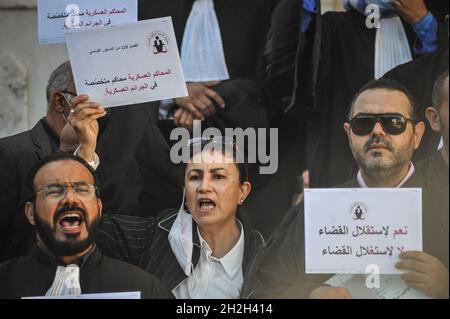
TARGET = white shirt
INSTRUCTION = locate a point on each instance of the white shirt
(214, 278)
(93, 164)
(202, 54)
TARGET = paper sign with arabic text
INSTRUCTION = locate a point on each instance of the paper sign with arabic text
(56, 17)
(128, 64)
(349, 231)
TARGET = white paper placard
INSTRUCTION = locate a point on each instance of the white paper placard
(56, 17)
(127, 64)
(348, 231)
(113, 295)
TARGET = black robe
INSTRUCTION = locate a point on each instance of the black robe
(419, 77)
(434, 168)
(32, 275)
(338, 60)
(279, 270)
(243, 25)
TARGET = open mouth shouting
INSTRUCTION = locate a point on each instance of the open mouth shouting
(70, 222)
(205, 205)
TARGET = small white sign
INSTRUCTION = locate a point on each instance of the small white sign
(114, 295)
(347, 230)
(127, 64)
(56, 17)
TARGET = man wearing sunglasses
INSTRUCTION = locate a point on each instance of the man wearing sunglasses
(383, 135)
(65, 207)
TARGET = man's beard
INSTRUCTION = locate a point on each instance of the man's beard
(71, 246)
(378, 165)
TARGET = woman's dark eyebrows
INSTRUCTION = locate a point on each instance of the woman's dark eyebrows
(212, 170)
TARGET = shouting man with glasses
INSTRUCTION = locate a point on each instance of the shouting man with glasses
(65, 208)
(19, 153)
(383, 136)
(141, 171)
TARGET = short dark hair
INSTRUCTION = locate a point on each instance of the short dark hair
(438, 90)
(387, 84)
(55, 157)
(242, 167)
(61, 79)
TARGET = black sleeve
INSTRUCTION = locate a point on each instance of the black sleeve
(313, 66)
(246, 103)
(156, 289)
(281, 50)
(9, 194)
(279, 271)
(125, 237)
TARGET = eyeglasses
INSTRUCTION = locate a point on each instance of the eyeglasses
(67, 99)
(64, 93)
(53, 193)
(392, 123)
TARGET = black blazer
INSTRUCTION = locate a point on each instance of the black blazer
(18, 154)
(144, 242)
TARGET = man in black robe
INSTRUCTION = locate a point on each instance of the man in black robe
(339, 54)
(129, 180)
(435, 166)
(385, 162)
(65, 209)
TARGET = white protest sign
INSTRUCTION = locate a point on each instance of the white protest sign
(113, 295)
(56, 17)
(128, 64)
(348, 231)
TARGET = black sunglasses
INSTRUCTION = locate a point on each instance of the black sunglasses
(392, 123)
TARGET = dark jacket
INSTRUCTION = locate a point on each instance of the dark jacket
(434, 168)
(279, 269)
(428, 68)
(144, 242)
(32, 275)
(18, 154)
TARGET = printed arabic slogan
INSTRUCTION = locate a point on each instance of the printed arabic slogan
(348, 231)
(56, 17)
(128, 64)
